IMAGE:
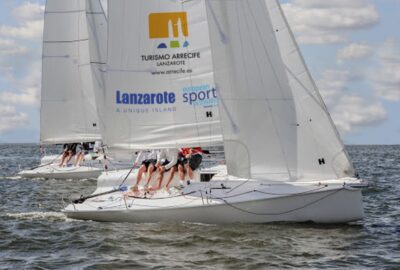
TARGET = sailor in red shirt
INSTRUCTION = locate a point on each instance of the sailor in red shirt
(189, 161)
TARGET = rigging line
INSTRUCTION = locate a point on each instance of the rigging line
(165, 207)
(284, 212)
(46, 163)
(242, 184)
(271, 193)
(162, 198)
(82, 199)
(279, 84)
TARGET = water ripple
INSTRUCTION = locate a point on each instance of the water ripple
(35, 235)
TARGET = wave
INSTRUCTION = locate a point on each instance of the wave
(53, 216)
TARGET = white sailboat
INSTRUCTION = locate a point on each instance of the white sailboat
(284, 158)
(73, 52)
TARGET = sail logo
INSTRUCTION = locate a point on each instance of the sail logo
(170, 26)
(144, 98)
(200, 95)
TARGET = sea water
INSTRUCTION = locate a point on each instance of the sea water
(35, 235)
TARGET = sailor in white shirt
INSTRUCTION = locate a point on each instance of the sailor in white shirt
(148, 160)
(167, 160)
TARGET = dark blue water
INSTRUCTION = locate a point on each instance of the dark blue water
(35, 235)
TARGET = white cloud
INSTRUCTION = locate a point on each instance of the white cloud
(353, 111)
(355, 51)
(28, 97)
(27, 90)
(317, 22)
(11, 119)
(28, 30)
(349, 111)
(334, 84)
(20, 70)
(10, 47)
(387, 76)
(30, 19)
(28, 12)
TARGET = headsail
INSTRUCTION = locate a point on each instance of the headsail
(68, 110)
(318, 139)
(160, 91)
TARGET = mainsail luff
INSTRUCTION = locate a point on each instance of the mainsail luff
(318, 137)
(68, 110)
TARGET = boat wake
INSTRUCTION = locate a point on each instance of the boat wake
(15, 177)
(52, 216)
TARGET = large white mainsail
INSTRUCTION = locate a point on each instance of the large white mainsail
(160, 90)
(316, 134)
(256, 104)
(68, 109)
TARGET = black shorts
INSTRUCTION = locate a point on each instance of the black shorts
(149, 162)
(195, 161)
(167, 162)
(182, 161)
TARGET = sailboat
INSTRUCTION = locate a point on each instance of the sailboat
(284, 158)
(73, 52)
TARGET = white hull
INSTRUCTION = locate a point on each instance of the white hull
(238, 201)
(53, 171)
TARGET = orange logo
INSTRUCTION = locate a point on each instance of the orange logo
(172, 25)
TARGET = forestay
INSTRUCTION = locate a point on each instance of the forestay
(68, 110)
(160, 91)
(317, 137)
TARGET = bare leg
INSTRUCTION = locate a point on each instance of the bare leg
(142, 169)
(181, 172)
(79, 159)
(150, 171)
(65, 154)
(170, 176)
(189, 171)
(159, 178)
(69, 157)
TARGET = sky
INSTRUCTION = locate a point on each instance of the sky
(352, 48)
